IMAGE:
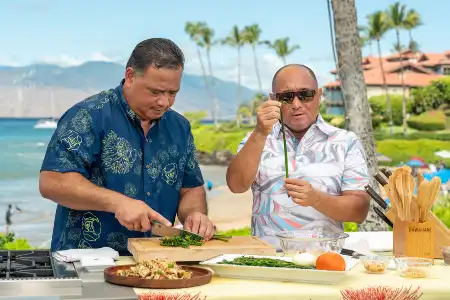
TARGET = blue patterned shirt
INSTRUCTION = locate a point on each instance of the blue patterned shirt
(102, 139)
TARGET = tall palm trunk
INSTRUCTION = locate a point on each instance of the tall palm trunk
(355, 95)
(333, 48)
(238, 94)
(388, 99)
(255, 57)
(397, 31)
(208, 91)
(213, 87)
(284, 60)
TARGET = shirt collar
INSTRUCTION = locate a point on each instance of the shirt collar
(320, 124)
(132, 116)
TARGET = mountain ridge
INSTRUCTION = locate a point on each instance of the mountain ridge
(25, 91)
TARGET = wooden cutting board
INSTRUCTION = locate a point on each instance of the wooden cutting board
(149, 248)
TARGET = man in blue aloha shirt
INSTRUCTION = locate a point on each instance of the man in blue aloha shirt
(122, 158)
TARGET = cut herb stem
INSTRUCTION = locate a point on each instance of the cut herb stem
(284, 143)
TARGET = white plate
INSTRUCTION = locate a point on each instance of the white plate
(275, 274)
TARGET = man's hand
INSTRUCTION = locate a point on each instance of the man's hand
(268, 114)
(200, 224)
(301, 192)
(136, 215)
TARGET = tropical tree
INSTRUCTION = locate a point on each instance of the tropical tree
(354, 90)
(236, 40)
(251, 35)
(397, 13)
(207, 41)
(282, 48)
(378, 25)
(412, 21)
(330, 25)
(195, 32)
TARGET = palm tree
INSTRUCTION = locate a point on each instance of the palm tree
(378, 25)
(195, 31)
(282, 48)
(330, 24)
(396, 14)
(412, 21)
(207, 36)
(235, 40)
(364, 40)
(251, 36)
(354, 90)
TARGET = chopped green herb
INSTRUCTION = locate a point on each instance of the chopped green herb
(263, 262)
(179, 241)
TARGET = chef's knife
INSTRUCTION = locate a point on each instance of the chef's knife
(162, 230)
(376, 197)
(383, 217)
(351, 253)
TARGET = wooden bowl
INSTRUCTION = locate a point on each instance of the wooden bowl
(200, 276)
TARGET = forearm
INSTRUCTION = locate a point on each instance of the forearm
(74, 191)
(192, 200)
(345, 208)
(241, 172)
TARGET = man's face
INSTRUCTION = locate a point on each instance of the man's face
(300, 114)
(152, 93)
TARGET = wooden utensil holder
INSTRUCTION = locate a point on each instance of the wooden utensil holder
(440, 236)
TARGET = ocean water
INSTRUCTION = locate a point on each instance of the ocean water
(22, 149)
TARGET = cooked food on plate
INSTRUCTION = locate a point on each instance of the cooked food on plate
(156, 269)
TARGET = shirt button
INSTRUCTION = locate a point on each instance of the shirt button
(147, 166)
(148, 193)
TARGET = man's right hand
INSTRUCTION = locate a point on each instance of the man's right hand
(136, 215)
(268, 114)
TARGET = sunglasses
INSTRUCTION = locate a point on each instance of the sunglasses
(303, 96)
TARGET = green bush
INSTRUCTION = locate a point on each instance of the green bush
(327, 118)
(208, 139)
(7, 242)
(428, 121)
(441, 136)
(431, 97)
(338, 121)
(379, 108)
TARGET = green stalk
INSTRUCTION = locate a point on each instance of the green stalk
(284, 144)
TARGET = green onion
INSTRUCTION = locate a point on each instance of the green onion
(284, 144)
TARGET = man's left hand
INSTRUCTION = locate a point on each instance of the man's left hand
(301, 192)
(200, 224)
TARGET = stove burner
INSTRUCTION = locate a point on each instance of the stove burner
(26, 264)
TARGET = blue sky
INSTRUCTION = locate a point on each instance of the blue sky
(71, 32)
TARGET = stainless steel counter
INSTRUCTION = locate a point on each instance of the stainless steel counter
(88, 285)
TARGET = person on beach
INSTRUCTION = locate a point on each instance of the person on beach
(327, 166)
(123, 158)
(9, 213)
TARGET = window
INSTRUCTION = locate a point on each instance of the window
(446, 70)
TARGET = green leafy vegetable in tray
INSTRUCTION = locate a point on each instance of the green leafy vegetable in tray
(263, 262)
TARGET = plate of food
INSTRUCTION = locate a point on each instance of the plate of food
(158, 274)
(327, 268)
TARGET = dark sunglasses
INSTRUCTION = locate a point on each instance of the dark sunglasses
(303, 96)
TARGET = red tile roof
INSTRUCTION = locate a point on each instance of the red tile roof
(418, 69)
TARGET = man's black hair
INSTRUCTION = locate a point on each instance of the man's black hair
(311, 72)
(157, 52)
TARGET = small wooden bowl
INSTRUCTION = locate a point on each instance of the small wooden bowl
(200, 276)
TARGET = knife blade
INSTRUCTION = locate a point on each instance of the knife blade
(163, 231)
(375, 196)
(383, 217)
(351, 253)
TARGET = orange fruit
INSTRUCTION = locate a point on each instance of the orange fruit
(330, 261)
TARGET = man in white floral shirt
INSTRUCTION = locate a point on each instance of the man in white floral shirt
(326, 165)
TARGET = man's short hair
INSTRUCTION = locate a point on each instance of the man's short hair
(308, 69)
(156, 52)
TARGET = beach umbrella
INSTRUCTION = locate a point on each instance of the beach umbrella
(416, 163)
(443, 154)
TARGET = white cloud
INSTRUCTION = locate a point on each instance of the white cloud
(70, 61)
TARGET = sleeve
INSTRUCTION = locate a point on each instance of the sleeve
(244, 140)
(355, 175)
(192, 174)
(74, 145)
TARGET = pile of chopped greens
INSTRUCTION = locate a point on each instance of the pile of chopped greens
(263, 262)
(180, 241)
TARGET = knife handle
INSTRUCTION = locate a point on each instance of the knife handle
(386, 172)
(383, 217)
(381, 179)
(375, 197)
